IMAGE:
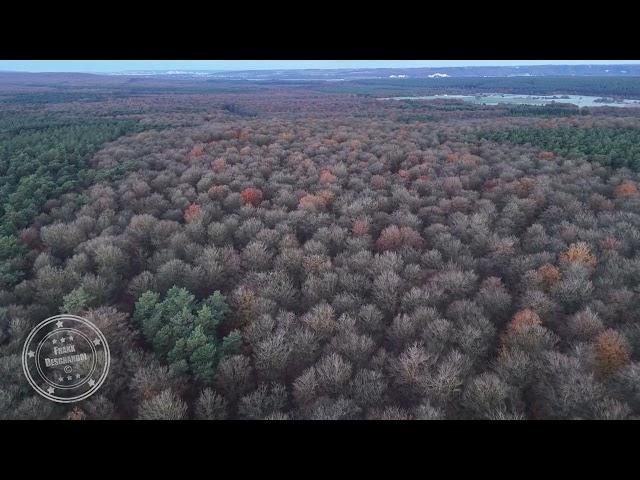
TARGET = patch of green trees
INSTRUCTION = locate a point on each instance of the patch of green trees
(185, 332)
(615, 147)
(42, 158)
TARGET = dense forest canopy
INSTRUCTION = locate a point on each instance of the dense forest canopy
(300, 252)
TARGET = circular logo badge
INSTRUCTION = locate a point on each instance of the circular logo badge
(66, 358)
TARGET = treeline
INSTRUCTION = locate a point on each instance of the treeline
(627, 87)
(557, 110)
(434, 109)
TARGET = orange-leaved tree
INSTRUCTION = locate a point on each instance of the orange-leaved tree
(393, 238)
(611, 351)
(192, 212)
(252, 196)
(626, 189)
(523, 319)
(327, 176)
(579, 252)
(549, 275)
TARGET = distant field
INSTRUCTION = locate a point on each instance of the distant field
(99, 88)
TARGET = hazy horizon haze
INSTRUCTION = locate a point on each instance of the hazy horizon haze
(122, 66)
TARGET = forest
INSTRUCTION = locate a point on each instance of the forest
(308, 252)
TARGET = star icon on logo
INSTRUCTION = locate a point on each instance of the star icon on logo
(54, 341)
(59, 324)
(96, 341)
(60, 379)
(50, 390)
(62, 340)
(31, 354)
(91, 383)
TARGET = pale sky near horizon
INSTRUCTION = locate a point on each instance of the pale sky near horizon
(109, 66)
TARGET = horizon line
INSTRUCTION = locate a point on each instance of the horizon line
(328, 68)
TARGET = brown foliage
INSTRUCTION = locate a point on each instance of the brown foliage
(452, 185)
(29, 236)
(327, 176)
(378, 182)
(243, 302)
(627, 189)
(76, 414)
(523, 319)
(312, 202)
(549, 275)
(252, 196)
(611, 352)
(360, 227)
(192, 212)
(491, 184)
(525, 186)
(389, 239)
(218, 165)
(393, 238)
(579, 252)
(217, 192)
(196, 151)
(327, 196)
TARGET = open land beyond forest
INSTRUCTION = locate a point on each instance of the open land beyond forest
(303, 250)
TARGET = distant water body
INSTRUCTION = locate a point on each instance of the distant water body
(514, 99)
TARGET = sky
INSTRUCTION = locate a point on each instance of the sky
(114, 66)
